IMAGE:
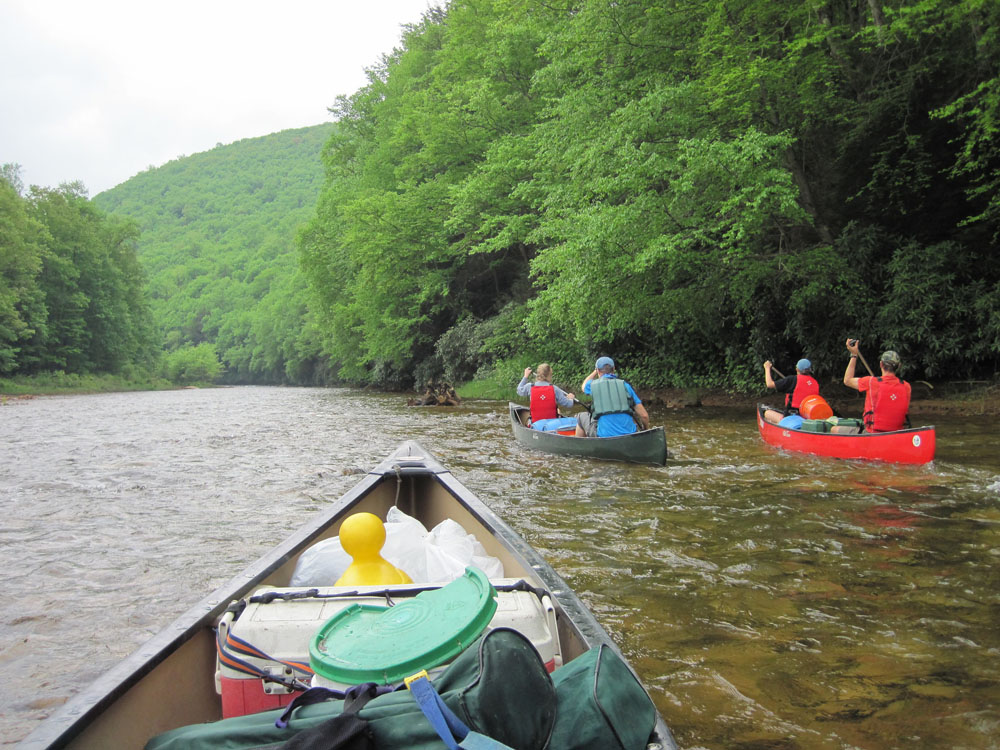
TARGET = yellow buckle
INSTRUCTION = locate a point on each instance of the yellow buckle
(412, 677)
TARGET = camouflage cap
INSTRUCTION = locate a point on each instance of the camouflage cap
(890, 358)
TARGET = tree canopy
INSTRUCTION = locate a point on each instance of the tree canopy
(689, 187)
(692, 187)
(72, 292)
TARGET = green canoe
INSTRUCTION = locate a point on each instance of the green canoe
(643, 447)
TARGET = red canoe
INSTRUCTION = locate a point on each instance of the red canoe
(913, 446)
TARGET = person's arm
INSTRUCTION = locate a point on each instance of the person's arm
(640, 411)
(768, 380)
(524, 387)
(563, 398)
(849, 379)
(586, 380)
(642, 416)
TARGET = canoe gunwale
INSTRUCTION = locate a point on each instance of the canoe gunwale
(409, 460)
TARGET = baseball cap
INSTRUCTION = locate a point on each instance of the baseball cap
(890, 358)
(803, 365)
(603, 362)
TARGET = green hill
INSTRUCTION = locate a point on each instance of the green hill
(218, 243)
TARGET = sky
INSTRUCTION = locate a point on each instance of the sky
(100, 90)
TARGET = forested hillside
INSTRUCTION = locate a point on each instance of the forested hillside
(218, 245)
(72, 293)
(689, 187)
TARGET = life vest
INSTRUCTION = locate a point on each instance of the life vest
(805, 385)
(887, 402)
(610, 397)
(543, 403)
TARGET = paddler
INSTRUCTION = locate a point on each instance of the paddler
(545, 397)
(887, 398)
(795, 387)
(617, 409)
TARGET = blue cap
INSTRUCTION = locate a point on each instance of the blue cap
(803, 364)
(603, 362)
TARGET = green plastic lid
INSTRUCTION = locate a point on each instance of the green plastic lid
(366, 643)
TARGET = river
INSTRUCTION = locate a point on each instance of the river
(768, 600)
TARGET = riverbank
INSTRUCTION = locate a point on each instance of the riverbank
(968, 399)
(60, 383)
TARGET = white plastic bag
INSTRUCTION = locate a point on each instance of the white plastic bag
(438, 556)
(405, 542)
(450, 550)
(322, 564)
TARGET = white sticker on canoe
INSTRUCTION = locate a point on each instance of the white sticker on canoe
(916, 441)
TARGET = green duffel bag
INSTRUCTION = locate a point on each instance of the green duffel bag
(498, 687)
(602, 706)
(815, 425)
(844, 422)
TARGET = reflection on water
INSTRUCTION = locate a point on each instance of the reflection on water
(768, 600)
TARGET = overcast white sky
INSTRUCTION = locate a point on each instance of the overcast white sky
(98, 90)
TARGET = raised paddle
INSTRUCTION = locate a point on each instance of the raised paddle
(854, 343)
(776, 371)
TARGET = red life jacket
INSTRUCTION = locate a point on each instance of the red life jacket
(543, 403)
(886, 404)
(805, 385)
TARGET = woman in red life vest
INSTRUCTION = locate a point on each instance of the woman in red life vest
(887, 398)
(545, 397)
(795, 387)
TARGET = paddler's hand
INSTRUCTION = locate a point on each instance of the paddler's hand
(527, 371)
(852, 346)
(767, 365)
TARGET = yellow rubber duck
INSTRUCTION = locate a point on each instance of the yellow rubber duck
(362, 536)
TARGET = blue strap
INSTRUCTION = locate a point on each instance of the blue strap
(448, 726)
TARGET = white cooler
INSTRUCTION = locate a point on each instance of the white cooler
(283, 629)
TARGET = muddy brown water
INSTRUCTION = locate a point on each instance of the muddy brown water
(768, 600)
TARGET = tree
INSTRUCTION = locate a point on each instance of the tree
(22, 303)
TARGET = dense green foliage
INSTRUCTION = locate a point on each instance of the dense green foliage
(218, 244)
(71, 289)
(690, 187)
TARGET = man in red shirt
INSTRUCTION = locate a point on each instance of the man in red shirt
(887, 398)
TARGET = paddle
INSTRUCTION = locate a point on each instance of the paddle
(854, 343)
(776, 371)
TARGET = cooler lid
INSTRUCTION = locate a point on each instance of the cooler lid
(366, 643)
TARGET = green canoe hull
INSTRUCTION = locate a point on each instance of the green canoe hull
(643, 447)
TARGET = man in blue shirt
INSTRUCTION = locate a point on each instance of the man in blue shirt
(616, 407)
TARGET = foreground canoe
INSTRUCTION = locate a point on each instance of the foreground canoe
(912, 446)
(171, 681)
(642, 447)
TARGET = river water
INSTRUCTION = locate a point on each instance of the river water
(768, 600)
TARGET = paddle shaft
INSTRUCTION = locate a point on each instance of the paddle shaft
(863, 361)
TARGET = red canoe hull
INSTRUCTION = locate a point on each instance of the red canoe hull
(913, 446)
